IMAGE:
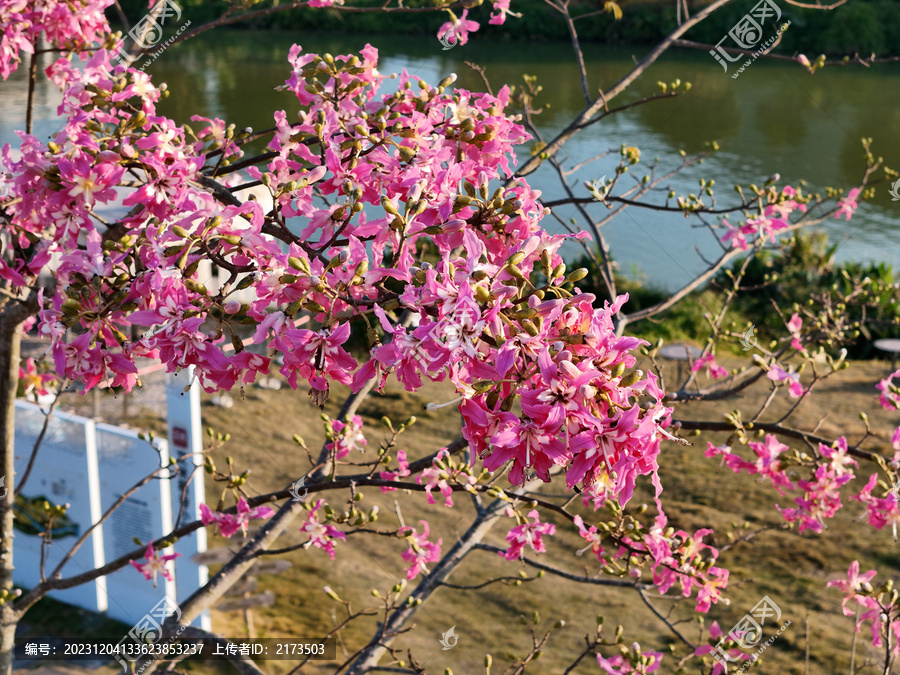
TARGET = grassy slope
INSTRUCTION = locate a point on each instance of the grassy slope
(791, 569)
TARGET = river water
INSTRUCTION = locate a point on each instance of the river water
(774, 118)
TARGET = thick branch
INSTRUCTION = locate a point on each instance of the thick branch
(585, 116)
(783, 431)
(372, 653)
(581, 579)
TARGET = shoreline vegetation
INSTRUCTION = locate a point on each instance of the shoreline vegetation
(796, 270)
(862, 27)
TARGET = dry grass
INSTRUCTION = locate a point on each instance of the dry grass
(790, 568)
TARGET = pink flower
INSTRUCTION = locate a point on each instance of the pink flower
(402, 471)
(156, 564)
(735, 236)
(735, 654)
(437, 477)
(766, 465)
(890, 394)
(711, 588)
(851, 587)
(347, 436)
(63, 25)
(621, 665)
(32, 380)
(821, 499)
(839, 456)
(778, 374)
(502, 10)
(314, 354)
(420, 550)
(847, 206)
(456, 31)
(709, 360)
(320, 535)
(230, 524)
(592, 536)
(527, 533)
(794, 326)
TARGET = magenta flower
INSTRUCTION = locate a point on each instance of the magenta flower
(839, 456)
(709, 361)
(498, 17)
(592, 536)
(527, 534)
(711, 588)
(890, 394)
(778, 374)
(794, 326)
(851, 587)
(621, 665)
(821, 499)
(848, 205)
(420, 550)
(401, 472)
(34, 381)
(230, 524)
(456, 31)
(347, 436)
(321, 535)
(716, 633)
(155, 564)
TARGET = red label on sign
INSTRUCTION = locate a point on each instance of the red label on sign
(179, 437)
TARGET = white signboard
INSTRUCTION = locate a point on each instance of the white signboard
(65, 473)
(125, 460)
(91, 466)
(188, 488)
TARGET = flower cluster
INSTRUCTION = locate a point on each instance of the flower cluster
(821, 498)
(321, 535)
(527, 534)
(890, 392)
(773, 219)
(345, 436)
(881, 511)
(413, 229)
(631, 660)
(734, 653)
(232, 523)
(767, 464)
(68, 26)
(440, 472)
(420, 550)
(778, 374)
(401, 472)
(709, 361)
(876, 605)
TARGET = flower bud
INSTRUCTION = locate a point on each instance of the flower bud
(577, 275)
(516, 258)
(631, 378)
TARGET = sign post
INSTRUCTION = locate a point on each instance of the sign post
(188, 491)
(66, 474)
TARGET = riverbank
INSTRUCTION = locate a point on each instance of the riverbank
(863, 27)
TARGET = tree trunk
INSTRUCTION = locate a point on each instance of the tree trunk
(10, 344)
(370, 656)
